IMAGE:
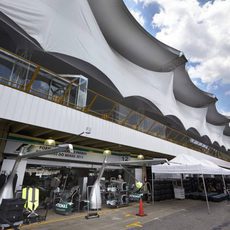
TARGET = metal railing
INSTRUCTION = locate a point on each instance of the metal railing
(29, 77)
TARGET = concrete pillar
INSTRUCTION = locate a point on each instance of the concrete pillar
(4, 131)
(144, 173)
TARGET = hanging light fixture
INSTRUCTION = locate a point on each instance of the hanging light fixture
(50, 142)
(107, 152)
(140, 157)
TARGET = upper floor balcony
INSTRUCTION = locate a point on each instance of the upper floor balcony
(72, 91)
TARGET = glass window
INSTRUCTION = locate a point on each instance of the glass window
(145, 125)
(82, 92)
(134, 119)
(158, 129)
(22, 73)
(57, 90)
(90, 97)
(102, 106)
(72, 95)
(120, 112)
(6, 66)
(41, 84)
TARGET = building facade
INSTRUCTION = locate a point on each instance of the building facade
(66, 68)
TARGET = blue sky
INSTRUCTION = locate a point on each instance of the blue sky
(201, 30)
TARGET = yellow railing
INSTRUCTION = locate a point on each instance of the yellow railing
(29, 77)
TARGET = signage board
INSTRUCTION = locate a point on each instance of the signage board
(78, 155)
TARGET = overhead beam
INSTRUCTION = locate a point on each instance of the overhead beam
(4, 132)
(58, 137)
(88, 141)
(77, 138)
(74, 138)
(17, 128)
(103, 144)
(116, 147)
(41, 132)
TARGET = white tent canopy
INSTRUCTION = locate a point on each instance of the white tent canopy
(185, 164)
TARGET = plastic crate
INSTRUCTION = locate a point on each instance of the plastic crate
(179, 193)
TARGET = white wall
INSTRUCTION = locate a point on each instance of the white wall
(18, 106)
(7, 167)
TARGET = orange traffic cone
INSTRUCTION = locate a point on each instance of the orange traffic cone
(141, 209)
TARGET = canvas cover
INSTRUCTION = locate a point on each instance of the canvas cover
(185, 164)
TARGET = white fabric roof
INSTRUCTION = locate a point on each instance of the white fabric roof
(72, 29)
(185, 164)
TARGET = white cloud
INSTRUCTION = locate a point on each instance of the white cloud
(227, 93)
(195, 82)
(212, 86)
(138, 16)
(145, 2)
(225, 113)
(200, 31)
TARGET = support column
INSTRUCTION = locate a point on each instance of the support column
(144, 174)
(4, 131)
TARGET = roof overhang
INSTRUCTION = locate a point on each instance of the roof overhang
(17, 35)
(214, 117)
(125, 35)
(186, 92)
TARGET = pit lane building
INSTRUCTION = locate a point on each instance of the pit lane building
(69, 66)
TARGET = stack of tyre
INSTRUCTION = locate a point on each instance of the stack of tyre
(163, 190)
(190, 185)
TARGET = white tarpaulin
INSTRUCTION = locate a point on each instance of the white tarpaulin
(185, 164)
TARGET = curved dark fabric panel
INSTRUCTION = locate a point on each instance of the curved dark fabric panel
(196, 135)
(223, 149)
(64, 64)
(227, 130)
(146, 107)
(214, 117)
(126, 36)
(86, 68)
(205, 139)
(194, 132)
(186, 92)
(216, 144)
(141, 104)
(175, 122)
(14, 34)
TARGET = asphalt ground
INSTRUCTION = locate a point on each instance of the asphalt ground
(163, 215)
